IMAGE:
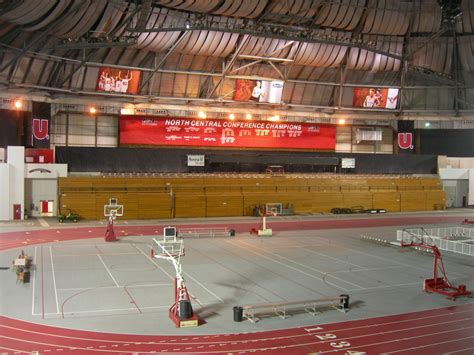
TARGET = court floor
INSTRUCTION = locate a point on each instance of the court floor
(88, 284)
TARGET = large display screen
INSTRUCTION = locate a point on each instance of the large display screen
(375, 98)
(161, 131)
(258, 91)
(115, 80)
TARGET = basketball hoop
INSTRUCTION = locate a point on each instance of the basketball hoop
(112, 210)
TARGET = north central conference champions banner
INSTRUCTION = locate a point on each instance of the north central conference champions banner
(138, 130)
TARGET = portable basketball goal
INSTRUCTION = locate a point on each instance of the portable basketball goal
(172, 249)
(439, 283)
(111, 211)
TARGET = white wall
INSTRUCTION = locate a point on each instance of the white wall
(470, 199)
(37, 190)
(16, 160)
(5, 192)
(453, 174)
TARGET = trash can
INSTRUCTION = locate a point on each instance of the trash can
(185, 310)
(232, 232)
(344, 302)
(238, 314)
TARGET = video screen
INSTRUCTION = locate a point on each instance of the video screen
(258, 90)
(117, 80)
(386, 98)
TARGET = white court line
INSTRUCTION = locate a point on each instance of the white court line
(34, 283)
(43, 222)
(204, 287)
(370, 269)
(166, 307)
(107, 287)
(305, 266)
(154, 263)
(333, 258)
(54, 279)
(106, 268)
(172, 278)
(378, 257)
(75, 255)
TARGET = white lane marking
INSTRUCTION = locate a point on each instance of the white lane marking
(34, 283)
(106, 268)
(43, 222)
(54, 279)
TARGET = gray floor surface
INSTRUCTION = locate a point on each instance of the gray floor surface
(117, 287)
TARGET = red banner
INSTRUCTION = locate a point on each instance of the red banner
(225, 134)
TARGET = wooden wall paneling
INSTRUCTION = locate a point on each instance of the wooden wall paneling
(80, 203)
(74, 182)
(154, 205)
(128, 200)
(390, 201)
(412, 201)
(356, 198)
(144, 182)
(325, 201)
(435, 200)
(224, 205)
(189, 205)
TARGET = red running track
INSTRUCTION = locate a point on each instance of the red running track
(445, 330)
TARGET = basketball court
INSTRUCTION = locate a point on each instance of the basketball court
(118, 287)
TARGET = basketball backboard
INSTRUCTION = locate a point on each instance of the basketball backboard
(113, 209)
(168, 248)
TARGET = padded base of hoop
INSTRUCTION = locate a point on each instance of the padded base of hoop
(265, 232)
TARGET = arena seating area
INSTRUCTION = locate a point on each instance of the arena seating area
(230, 195)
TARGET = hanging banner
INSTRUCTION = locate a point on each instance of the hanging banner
(38, 128)
(225, 134)
(406, 137)
(115, 80)
(375, 98)
(258, 90)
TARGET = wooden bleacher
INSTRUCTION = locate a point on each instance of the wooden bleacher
(225, 195)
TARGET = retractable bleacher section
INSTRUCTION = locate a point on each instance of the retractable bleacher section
(228, 195)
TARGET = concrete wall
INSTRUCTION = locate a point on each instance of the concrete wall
(4, 192)
(456, 185)
(16, 160)
(37, 190)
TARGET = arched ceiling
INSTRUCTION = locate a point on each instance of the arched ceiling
(195, 49)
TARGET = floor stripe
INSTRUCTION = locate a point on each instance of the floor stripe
(54, 280)
(106, 268)
(43, 222)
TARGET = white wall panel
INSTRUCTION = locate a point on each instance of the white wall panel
(5, 205)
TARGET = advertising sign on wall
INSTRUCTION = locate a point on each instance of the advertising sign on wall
(375, 98)
(258, 90)
(139, 130)
(41, 115)
(196, 160)
(115, 80)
